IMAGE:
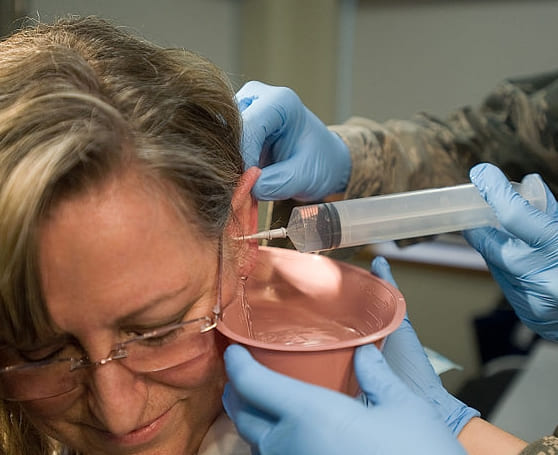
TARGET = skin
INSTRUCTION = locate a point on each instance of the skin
(118, 258)
(480, 437)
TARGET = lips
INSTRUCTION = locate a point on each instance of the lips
(141, 435)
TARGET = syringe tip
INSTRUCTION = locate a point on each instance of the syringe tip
(280, 233)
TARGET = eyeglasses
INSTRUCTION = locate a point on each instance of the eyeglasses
(152, 352)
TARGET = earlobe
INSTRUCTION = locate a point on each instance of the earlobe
(245, 218)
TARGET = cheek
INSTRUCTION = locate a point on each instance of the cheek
(52, 408)
(206, 368)
(51, 416)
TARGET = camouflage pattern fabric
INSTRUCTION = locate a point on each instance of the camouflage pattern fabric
(515, 128)
(545, 446)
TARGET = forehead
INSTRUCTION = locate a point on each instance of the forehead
(110, 250)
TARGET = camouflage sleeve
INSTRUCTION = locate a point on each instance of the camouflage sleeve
(516, 128)
(545, 446)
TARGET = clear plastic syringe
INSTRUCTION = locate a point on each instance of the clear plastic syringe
(375, 219)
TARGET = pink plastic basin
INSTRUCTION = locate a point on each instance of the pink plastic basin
(308, 313)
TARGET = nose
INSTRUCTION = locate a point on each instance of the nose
(117, 397)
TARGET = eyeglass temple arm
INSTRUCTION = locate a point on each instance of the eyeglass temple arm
(217, 307)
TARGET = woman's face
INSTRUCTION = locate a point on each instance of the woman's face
(115, 263)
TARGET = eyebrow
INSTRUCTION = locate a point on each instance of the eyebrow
(57, 339)
(64, 338)
(157, 301)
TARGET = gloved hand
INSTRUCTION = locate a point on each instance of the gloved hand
(523, 258)
(406, 357)
(300, 157)
(280, 415)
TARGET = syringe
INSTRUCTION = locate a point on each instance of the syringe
(376, 219)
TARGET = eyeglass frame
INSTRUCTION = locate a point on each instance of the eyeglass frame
(118, 351)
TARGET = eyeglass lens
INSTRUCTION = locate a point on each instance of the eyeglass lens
(166, 349)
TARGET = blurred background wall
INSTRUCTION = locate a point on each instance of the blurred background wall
(377, 58)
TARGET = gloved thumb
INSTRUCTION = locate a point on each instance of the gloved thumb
(380, 267)
(375, 377)
(515, 214)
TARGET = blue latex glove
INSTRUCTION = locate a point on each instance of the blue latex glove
(406, 357)
(280, 415)
(523, 258)
(300, 158)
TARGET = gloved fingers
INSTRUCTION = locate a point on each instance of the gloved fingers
(257, 131)
(515, 214)
(405, 335)
(271, 107)
(244, 102)
(488, 242)
(535, 304)
(402, 349)
(403, 341)
(278, 181)
(270, 392)
(266, 110)
(380, 267)
(500, 250)
(247, 91)
(292, 177)
(269, 94)
(250, 423)
(375, 377)
(405, 355)
(254, 93)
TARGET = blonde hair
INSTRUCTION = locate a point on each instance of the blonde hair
(81, 100)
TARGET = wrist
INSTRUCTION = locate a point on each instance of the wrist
(455, 414)
(460, 416)
(479, 437)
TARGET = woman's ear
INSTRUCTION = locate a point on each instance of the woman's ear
(245, 218)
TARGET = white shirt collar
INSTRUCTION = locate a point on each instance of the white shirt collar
(223, 439)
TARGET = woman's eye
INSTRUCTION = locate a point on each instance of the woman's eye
(162, 337)
(43, 354)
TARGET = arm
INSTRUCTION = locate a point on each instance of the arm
(514, 128)
(480, 437)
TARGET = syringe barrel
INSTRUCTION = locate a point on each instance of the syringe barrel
(398, 216)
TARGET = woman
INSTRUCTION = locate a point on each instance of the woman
(121, 187)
